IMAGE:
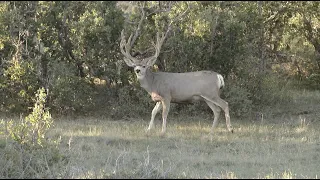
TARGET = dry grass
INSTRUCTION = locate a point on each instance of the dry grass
(285, 143)
(121, 149)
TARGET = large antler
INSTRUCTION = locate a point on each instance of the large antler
(130, 61)
(151, 60)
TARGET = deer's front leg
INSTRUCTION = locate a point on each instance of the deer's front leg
(155, 111)
(165, 111)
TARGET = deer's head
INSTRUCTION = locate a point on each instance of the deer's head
(140, 65)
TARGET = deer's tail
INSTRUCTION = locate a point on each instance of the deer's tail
(220, 81)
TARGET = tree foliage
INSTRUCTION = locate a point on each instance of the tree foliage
(72, 50)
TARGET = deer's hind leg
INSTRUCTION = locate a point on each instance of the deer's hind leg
(165, 111)
(224, 106)
(216, 111)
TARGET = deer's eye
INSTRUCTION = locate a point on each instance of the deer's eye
(144, 66)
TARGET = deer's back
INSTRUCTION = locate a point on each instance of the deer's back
(187, 87)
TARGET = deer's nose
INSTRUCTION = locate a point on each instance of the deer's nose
(138, 70)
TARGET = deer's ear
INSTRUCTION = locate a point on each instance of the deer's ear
(151, 62)
(129, 63)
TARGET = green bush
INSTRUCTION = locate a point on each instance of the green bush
(239, 101)
(31, 130)
(274, 90)
(27, 151)
(71, 94)
(313, 81)
(132, 101)
(18, 83)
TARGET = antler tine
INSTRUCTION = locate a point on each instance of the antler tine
(130, 61)
(151, 60)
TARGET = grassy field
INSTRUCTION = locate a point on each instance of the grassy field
(256, 150)
(283, 143)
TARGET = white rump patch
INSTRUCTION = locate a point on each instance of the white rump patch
(221, 81)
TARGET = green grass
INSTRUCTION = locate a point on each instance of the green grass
(285, 143)
(121, 149)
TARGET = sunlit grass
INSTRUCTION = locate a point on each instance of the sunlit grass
(285, 143)
(121, 149)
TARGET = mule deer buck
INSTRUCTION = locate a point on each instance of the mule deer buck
(166, 87)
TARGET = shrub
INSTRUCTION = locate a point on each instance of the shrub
(71, 94)
(239, 101)
(31, 130)
(274, 90)
(132, 101)
(313, 81)
(27, 152)
(17, 84)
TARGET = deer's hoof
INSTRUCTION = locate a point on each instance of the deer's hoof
(230, 129)
(147, 132)
(162, 134)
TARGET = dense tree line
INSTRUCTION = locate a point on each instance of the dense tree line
(72, 50)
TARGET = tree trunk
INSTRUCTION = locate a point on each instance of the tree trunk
(262, 60)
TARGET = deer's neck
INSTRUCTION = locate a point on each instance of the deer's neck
(147, 80)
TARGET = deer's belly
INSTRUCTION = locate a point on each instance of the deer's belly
(184, 100)
(156, 97)
(189, 100)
